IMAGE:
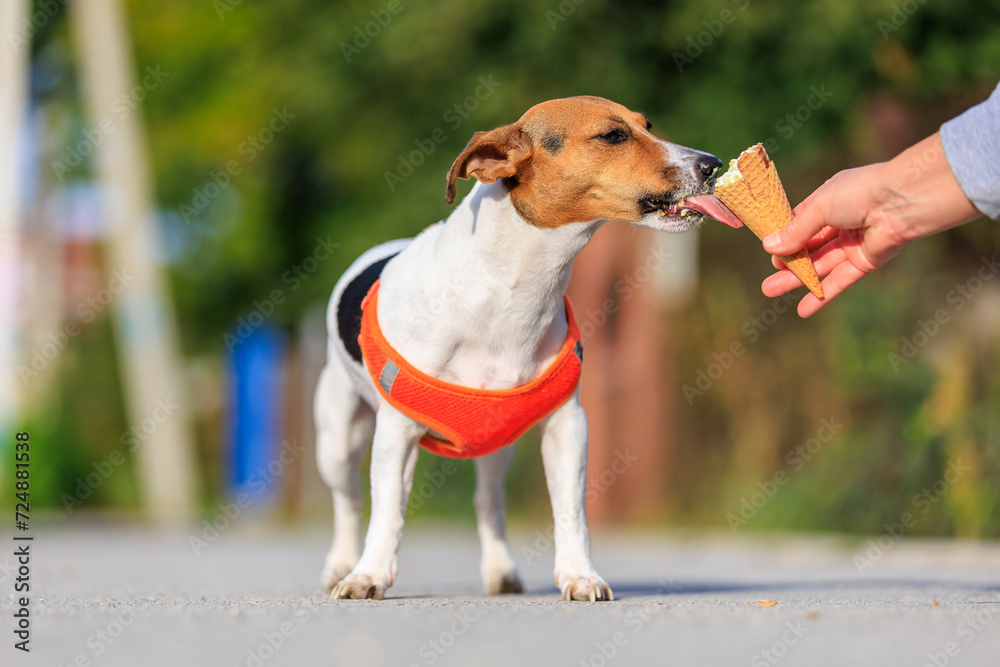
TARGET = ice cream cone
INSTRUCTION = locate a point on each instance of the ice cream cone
(754, 193)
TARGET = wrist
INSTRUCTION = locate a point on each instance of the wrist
(893, 205)
(917, 193)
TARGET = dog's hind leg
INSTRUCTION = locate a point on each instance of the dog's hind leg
(344, 428)
(394, 457)
(497, 567)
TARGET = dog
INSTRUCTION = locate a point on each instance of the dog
(473, 307)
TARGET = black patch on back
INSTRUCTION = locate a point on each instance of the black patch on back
(552, 142)
(349, 307)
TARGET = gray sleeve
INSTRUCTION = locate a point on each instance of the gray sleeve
(972, 146)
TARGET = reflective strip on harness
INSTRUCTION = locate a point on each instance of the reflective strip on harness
(473, 422)
(388, 376)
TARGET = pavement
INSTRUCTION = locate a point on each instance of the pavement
(249, 596)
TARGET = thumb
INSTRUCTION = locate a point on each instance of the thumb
(806, 222)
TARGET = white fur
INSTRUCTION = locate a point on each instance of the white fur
(476, 301)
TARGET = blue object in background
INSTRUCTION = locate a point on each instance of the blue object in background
(255, 411)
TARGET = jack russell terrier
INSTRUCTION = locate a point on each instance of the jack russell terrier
(460, 339)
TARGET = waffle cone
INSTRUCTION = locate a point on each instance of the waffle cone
(759, 200)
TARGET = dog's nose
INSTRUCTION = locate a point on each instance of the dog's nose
(708, 166)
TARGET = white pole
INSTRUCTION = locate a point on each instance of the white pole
(15, 47)
(145, 323)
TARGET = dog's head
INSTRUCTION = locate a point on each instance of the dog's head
(587, 158)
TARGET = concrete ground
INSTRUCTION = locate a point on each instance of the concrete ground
(112, 595)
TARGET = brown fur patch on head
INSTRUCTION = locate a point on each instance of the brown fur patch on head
(597, 160)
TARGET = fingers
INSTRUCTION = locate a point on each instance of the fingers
(840, 274)
(778, 283)
(825, 260)
(821, 238)
(804, 227)
(842, 277)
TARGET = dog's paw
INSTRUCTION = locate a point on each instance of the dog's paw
(333, 573)
(503, 583)
(358, 587)
(585, 588)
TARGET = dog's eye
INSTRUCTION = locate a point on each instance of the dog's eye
(615, 136)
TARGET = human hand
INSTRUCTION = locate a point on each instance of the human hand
(861, 218)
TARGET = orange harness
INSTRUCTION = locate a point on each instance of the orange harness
(475, 422)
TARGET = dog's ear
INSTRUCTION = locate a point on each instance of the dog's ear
(499, 153)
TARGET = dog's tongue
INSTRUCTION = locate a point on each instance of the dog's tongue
(711, 206)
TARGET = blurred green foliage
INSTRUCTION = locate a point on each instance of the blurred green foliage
(718, 75)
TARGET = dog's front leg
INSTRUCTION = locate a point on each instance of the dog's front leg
(394, 456)
(564, 453)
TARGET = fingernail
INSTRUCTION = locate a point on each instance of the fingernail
(771, 242)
